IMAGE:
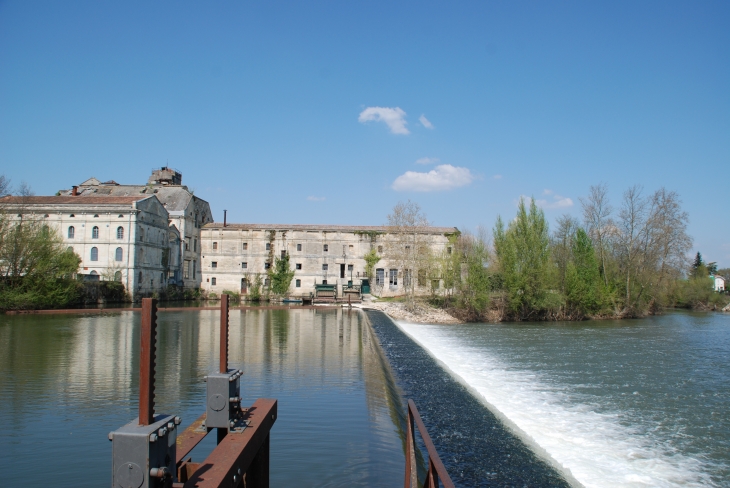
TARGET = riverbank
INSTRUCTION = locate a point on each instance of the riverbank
(422, 314)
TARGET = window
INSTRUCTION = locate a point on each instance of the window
(140, 279)
(266, 282)
(195, 264)
(298, 283)
(118, 254)
(96, 216)
(186, 270)
(118, 276)
(448, 250)
(299, 247)
(350, 268)
(94, 254)
(267, 265)
(326, 248)
(268, 246)
(141, 234)
(212, 281)
(393, 277)
(245, 246)
(187, 243)
(298, 266)
(95, 233)
(71, 232)
(121, 216)
(352, 247)
(408, 248)
(380, 276)
(214, 264)
(72, 215)
(325, 267)
(244, 265)
(215, 246)
(283, 254)
(380, 249)
(195, 245)
(435, 284)
(120, 232)
(324, 282)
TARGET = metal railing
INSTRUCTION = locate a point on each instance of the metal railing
(436, 470)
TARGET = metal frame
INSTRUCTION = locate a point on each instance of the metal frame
(436, 470)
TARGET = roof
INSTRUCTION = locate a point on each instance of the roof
(173, 197)
(64, 200)
(320, 227)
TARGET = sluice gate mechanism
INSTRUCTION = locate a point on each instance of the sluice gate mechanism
(149, 452)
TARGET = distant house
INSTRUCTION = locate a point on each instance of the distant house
(719, 282)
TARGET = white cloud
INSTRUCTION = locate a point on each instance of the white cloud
(425, 122)
(555, 200)
(394, 118)
(497, 177)
(442, 177)
(427, 160)
(316, 199)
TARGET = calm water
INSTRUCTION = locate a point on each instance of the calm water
(615, 403)
(66, 381)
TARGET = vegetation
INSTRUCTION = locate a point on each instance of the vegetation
(371, 259)
(627, 263)
(36, 269)
(281, 276)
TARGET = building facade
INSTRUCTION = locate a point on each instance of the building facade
(234, 254)
(186, 212)
(126, 239)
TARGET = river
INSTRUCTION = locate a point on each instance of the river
(610, 403)
(613, 403)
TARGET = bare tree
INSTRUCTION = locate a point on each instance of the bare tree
(408, 244)
(562, 242)
(597, 217)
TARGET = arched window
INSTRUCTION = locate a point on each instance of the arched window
(95, 233)
(120, 232)
(118, 276)
(71, 232)
(118, 255)
(94, 254)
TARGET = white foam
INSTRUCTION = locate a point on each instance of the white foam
(593, 447)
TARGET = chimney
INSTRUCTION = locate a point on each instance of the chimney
(74, 191)
(224, 217)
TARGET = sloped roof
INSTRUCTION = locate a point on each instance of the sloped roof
(64, 200)
(173, 198)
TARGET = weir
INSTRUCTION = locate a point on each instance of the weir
(148, 452)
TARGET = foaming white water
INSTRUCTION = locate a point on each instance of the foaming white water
(594, 447)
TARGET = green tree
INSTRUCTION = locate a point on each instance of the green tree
(281, 276)
(523, 252)
(698, 261)
(583, 277)
(371, 259)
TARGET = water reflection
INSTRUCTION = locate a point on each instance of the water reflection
(66, 381)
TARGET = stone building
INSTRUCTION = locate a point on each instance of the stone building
(122, 238)
(233, 254)
(186, 212)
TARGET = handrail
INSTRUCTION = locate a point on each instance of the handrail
(436, 469)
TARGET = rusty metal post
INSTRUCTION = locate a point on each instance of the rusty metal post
(224, 334)
(411, 470)
(147, 361)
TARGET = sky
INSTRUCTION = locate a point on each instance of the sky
(332, 112)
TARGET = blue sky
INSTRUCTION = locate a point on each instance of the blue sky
(311, 112)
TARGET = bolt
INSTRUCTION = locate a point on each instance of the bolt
(178, 420)
(170, 426)
(153, 437)
(162, 432)
(235, 478)
(111, 436)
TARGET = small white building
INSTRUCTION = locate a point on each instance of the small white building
(718, 282)
(126, 239)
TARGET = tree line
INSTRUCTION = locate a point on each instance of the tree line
(627, 261)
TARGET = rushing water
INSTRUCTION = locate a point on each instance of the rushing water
(615, 403)
(68, 380)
